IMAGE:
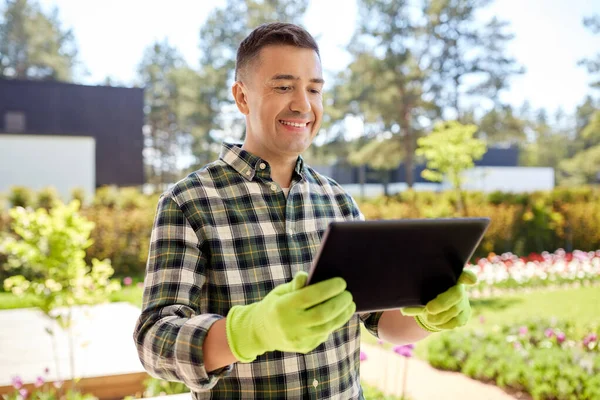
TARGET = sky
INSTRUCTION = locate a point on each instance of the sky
(549, 39)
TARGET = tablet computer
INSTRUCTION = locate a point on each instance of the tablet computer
(389, 264)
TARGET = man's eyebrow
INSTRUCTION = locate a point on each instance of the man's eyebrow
(287, 77)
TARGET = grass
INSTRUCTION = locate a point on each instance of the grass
(9, 301)
(578, 305)
(372, 393)
(131, 294)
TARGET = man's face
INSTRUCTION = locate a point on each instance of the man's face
(281, 95)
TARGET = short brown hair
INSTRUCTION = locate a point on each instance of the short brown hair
(274, 33)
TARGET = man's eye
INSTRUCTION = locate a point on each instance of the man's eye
(315, 91)
(284, 88)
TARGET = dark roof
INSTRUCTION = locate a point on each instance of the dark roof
(500, 157)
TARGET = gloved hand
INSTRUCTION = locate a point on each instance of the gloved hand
(448, 310)
(290, 318)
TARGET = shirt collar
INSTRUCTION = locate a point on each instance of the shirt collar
(247, 164)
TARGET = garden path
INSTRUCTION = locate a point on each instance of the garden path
(103, 343)
(423, 382)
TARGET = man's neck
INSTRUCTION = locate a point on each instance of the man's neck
(282, 168)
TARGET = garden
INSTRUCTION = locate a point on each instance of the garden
(535, 328)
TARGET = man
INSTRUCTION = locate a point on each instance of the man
(225, 306)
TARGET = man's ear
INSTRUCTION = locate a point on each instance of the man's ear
(239, 95)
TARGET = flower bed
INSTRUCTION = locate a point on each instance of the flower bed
(508, 271)
(546, 359)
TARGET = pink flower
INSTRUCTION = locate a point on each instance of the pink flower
(46, 370)
(363, 356)
(549, 333)
(17, 382)
(39, 382)
(127, 281)
(560, 337)
(482, 319)
(404, 351)
(523, 331)
(517, 345)
(58, 384)
(23, 392)
(592, 337)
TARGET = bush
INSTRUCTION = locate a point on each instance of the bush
(582, 225)
(520, 223)
(47, 198)
(543, 358)
(20, 196)
(523, 224)
(121, 235)
(123, 223)
(79, 195)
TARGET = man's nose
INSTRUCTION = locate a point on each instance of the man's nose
(300, 102)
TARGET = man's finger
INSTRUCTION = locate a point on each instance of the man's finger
(467, 277)
(446, 300)
(412, 311)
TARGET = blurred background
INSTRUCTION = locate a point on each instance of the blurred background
(439, 108)
(525, 74)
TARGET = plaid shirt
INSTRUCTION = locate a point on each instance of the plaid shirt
(227, 235)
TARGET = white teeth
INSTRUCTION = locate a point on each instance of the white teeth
(293, 124)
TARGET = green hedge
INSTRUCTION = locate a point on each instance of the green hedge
(521, 224)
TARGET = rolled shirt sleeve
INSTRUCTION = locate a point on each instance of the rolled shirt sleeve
(170, 332)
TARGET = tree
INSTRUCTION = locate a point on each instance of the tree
(33, 45)
(171, 98)
(382, 155)
(49, 248)
(583, 168)
(415, 64)
(591, 132)
(450, 150)
(502, 125)
(549, 144)
(592, 64)
(584, 113)
(386, 75)
(461, 49)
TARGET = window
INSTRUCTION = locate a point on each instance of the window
(14, 121)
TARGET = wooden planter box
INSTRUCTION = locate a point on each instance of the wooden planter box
(112, 387)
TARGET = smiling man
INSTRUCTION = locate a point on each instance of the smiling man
(225, 308)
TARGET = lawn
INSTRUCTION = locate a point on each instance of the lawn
(131, 294)
(579, 305)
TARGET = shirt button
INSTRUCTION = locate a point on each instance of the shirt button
(291, 231)
(262, 165)
(315, 383)
(248, 172)
(274, 187)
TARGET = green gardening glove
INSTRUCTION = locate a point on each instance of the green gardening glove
(290, 318)
(448, 310)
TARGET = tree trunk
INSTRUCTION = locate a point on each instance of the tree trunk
(408, 147)
(362, 172)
